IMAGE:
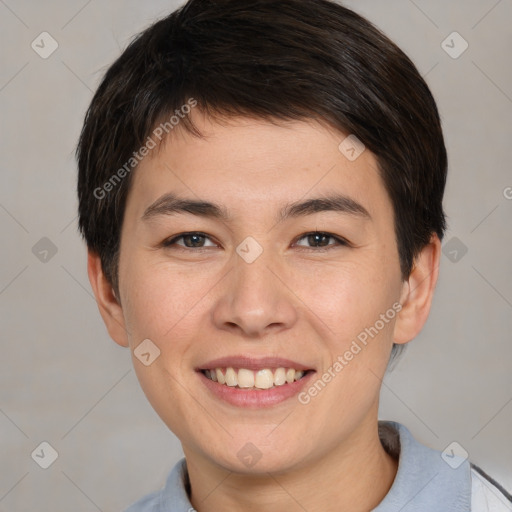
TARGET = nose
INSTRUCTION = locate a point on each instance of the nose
(254, 299)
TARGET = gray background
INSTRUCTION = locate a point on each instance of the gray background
(62, 380)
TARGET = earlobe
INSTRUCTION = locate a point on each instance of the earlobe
(417, 292)
(108, 305)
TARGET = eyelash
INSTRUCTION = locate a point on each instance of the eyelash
(339, 241)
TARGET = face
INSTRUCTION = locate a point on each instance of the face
(292, 265)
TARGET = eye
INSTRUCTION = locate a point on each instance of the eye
(193, 240)
(320, 240)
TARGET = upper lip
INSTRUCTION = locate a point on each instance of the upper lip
(251, 363)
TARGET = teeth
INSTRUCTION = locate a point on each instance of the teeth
(220, 376)
(231, 377)
(280, 377)
(247, 379)
(264, 379)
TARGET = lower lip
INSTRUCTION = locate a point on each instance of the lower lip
(256, 398)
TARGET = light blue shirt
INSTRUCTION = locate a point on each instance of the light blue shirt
(425, 482)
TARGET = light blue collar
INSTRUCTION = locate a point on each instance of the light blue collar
(424, 481)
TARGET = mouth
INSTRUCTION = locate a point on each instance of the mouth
(254, 383)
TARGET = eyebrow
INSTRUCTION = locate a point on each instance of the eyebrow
(170, 204)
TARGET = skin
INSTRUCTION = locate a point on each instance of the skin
(296, 301)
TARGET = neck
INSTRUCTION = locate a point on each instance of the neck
(355, 476)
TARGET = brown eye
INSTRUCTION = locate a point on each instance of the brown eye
(193, 240)
(321, 240)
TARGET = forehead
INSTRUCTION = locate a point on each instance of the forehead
(241, 162)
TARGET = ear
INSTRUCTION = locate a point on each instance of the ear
(110, 309)
(417, 292)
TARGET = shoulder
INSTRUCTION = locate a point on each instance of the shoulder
(173, 496)
(486, 494)
(434, 482)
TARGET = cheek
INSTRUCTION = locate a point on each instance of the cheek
(163, 302)
(348, 298)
